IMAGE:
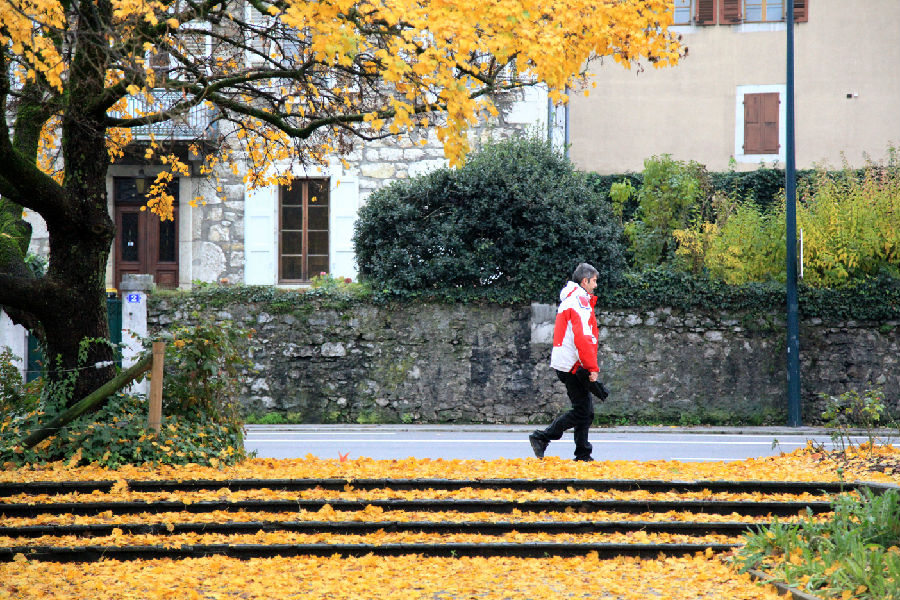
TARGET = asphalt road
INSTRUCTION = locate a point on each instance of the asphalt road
(489, 442)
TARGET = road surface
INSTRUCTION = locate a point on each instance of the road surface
(489, 442)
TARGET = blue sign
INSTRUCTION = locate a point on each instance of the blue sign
(133, 298)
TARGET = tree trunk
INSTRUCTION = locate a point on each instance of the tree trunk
(77, 334)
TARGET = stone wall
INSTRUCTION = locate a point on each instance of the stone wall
(452, 363)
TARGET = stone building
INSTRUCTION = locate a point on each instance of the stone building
(258, 236)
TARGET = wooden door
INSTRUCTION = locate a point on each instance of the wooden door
(144, 244)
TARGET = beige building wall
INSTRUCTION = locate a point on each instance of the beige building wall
(694, 112)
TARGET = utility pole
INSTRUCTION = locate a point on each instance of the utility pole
(790, 188)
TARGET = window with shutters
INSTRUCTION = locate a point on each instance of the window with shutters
(268, 40)
(721, 12)
(303, 235)
(759, 123)
(732, 12)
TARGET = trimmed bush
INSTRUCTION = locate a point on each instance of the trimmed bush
(871, 299)
(508, 226)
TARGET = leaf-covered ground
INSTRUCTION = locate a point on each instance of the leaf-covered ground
(414, 577)
(799, 465)
(408, 577)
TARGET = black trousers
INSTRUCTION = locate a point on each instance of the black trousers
(579, 418)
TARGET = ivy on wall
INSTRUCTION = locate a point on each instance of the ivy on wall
(872, 299)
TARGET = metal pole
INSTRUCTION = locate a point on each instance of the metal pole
(790, 188)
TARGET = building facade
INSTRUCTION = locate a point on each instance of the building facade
(724, 104)
(275, 235)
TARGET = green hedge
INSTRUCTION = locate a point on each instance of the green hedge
(872, 299)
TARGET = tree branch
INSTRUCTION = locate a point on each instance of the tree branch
(23, 292)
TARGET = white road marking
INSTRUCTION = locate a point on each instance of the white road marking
(516, 441)
(322, 433)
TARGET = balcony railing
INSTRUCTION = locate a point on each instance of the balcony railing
(197, 123)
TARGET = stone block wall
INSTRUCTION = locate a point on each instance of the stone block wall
(454, 363)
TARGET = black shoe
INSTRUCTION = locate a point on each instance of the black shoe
(538, 445)
(584, 459)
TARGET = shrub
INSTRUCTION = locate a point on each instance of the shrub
(870, 299)
(202, 368)
(851, 230)
(118, 434)
(672, 195)
(11, 385)
(854, 410)
(201, 422)
(508, 226)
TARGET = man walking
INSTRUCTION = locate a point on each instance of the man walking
(574, 357)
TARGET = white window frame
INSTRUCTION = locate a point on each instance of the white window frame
(261, 224)
(743, 90)
(765, 9)
(690, 11)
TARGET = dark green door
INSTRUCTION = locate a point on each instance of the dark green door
(35, 366)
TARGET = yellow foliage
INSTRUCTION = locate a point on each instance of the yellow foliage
(850, 224)
(429, 56)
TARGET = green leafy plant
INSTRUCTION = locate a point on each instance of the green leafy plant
(851, 230)
(11, 384)
(870, 299)
(854, 553)
(850, 410)
(672, 195)
(200, 424)
(118, 433)
(203, 364)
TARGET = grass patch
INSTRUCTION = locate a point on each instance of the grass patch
(855, 554)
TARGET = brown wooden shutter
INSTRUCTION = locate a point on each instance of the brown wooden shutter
(761, 123)
(801, 11)
(769, 109)
(730, 12)
(706, 12)
(752, 130)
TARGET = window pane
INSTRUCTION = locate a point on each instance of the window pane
(292, 242)
(166, 241)
(318, 192)
(318, 217)
(291, 267)
(317, 264)
(130, 237)
(754, 11)
(682, 12)
(774, 11)
(318, 242)
(291, 217)
(126, 190)
(292, 196)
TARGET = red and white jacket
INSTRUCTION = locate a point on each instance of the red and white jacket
(575, 335)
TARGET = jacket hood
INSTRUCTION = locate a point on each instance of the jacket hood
(569, 289)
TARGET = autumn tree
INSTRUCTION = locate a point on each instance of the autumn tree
(285, 80)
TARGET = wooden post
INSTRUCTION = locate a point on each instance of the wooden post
(156, 385)
(93, 399)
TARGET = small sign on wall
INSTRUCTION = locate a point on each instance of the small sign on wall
(133, 298)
